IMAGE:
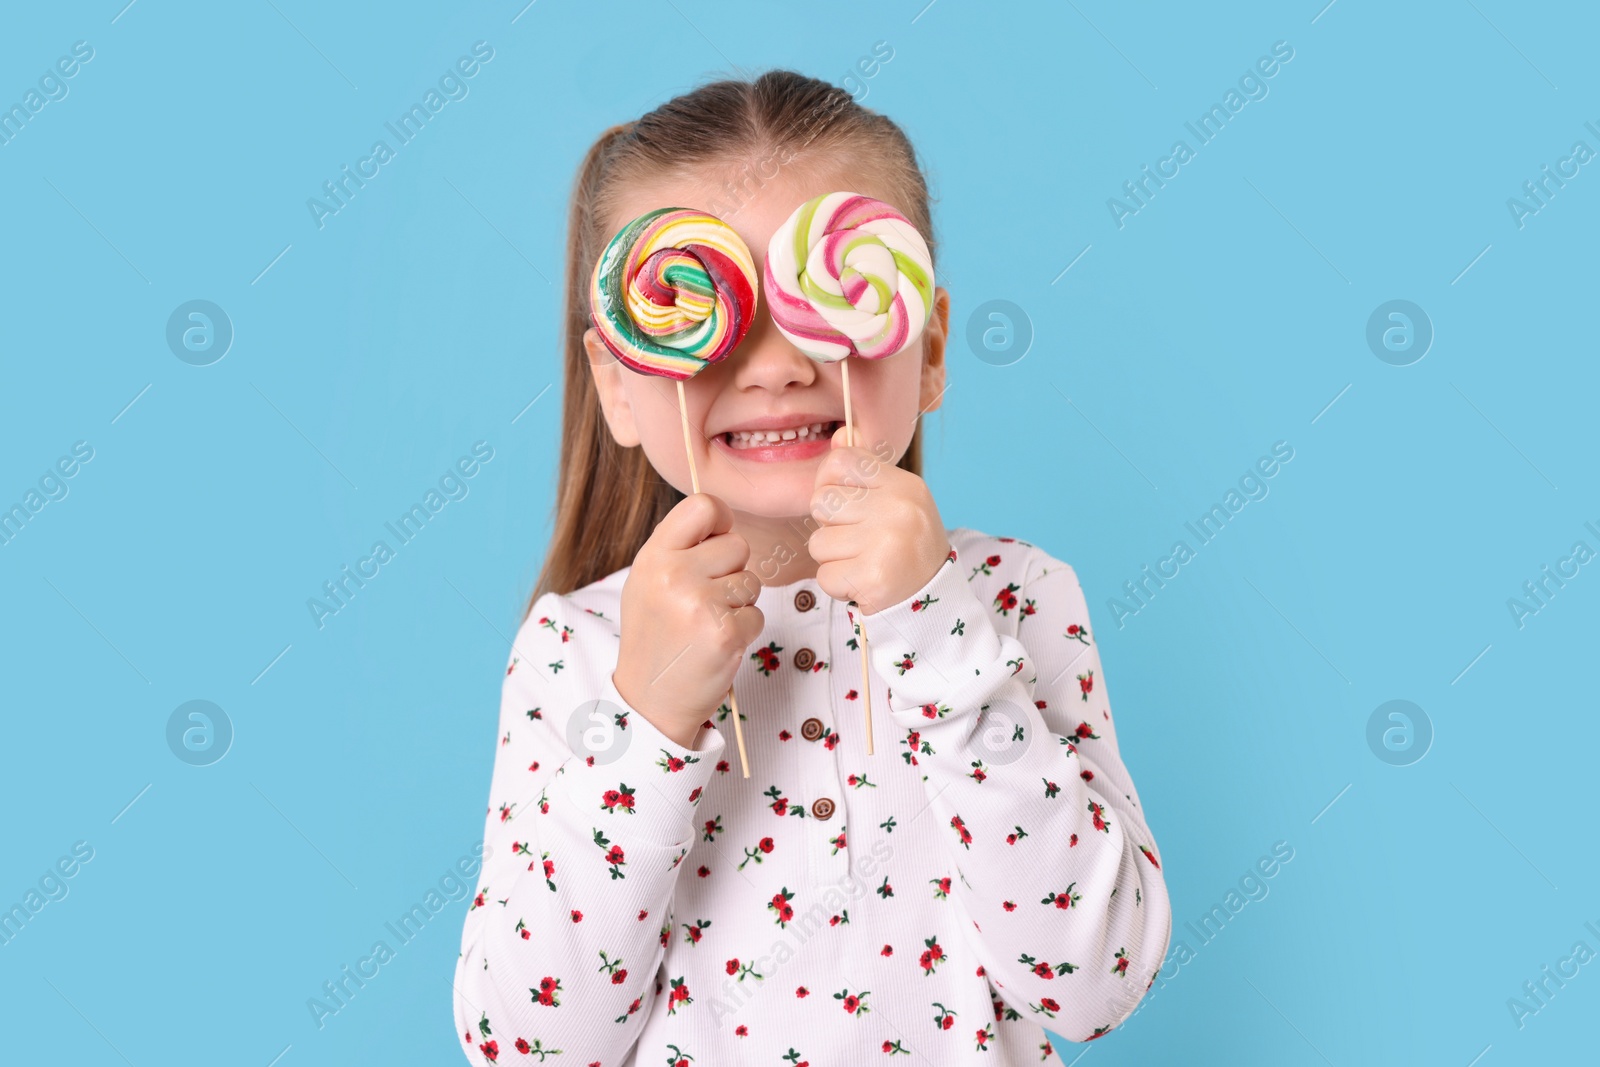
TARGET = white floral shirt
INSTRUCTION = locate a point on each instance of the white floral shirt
(985, 875)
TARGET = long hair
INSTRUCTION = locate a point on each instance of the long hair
(609, 498)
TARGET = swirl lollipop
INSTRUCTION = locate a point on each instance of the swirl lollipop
(674, 292)
(848, 275)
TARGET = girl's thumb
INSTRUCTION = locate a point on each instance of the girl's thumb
(841, 437)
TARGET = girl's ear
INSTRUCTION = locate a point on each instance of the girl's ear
(614, 403)
(934, 335)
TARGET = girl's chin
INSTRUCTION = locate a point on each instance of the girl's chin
(796, 451)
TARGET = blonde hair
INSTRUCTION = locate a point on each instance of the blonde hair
(609, 498)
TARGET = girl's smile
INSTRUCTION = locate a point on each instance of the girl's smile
(778, 438)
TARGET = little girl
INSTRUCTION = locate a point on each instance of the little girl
(985, 875)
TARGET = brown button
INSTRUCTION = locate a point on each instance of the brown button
(804, 658)
(811, 729)
(822, 808)
(804, 600)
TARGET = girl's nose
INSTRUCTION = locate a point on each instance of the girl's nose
(765, 359)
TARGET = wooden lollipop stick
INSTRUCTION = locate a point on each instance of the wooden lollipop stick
(866, 678)
(694, 478)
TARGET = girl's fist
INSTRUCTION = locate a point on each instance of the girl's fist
(880, 537)
(688, 615)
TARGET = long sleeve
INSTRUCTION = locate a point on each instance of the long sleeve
(995, 676)
(591, 810)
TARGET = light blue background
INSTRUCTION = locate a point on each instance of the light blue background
(1228, 314)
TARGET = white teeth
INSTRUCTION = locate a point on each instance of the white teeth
(762, 438)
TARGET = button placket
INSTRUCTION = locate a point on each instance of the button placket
(820, 778)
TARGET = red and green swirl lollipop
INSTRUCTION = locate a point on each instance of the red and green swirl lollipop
(673, 292)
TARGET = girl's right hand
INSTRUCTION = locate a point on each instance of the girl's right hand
(688, 616)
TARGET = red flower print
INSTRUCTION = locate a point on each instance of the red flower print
(548, 993)
(1099, 818)
(941, 887)
(802, 992)
(782, 910)
(1120, 968)
(961, 831)
(1046, 970)
(853, 1003)
(1006, 599)
(523, 1046)
(614, 855)
(620, 797)
(1086, 683)
(767, 658)
(679, 995)
(1078, 633)
(931, 956)
(1064, 899)
(490, 1050)
(887, 950)
(1151, 856)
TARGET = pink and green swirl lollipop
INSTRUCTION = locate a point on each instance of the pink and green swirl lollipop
(673, 292)
(848, 275)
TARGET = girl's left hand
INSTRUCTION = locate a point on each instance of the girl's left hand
(880, 537)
